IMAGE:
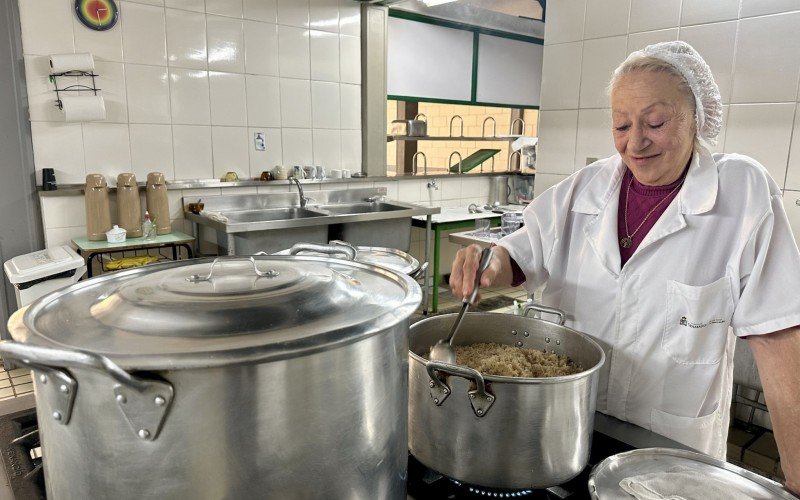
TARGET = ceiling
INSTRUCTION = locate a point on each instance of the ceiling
(514, 16)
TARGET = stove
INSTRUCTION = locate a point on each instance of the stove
(426, 483)
(22, 460)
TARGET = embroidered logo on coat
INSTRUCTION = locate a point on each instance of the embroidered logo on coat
(685, 322)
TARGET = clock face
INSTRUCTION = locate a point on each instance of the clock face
(98, 15)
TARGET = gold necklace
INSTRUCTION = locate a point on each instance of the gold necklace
(627, 241)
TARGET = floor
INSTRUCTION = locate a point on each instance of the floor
(749, 446)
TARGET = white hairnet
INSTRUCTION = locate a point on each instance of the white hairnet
(708, 103)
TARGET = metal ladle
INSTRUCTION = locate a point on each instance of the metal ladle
(443, 349)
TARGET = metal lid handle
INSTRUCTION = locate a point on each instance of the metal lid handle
(261, 274)
(334, 248)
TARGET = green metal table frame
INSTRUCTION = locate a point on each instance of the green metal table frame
(437, 228)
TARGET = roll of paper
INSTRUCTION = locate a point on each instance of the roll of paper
(61, 63)
(87, 108)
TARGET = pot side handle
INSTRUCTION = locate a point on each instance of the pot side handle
(143, 402)
(562, 316)
(346, 250)
(480, 399)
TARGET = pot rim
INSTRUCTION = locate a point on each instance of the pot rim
(22, 327)
(523, 380)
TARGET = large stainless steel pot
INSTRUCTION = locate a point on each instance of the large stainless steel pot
(502, 432)
(272, 377)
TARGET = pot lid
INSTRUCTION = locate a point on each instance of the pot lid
(390, 258)
(199, 312)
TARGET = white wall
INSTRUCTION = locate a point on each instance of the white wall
(752, 46)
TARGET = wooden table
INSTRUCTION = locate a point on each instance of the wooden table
(95, 249)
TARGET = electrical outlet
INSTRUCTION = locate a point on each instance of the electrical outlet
(260, 141)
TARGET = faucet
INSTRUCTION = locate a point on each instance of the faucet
(424, 164)
(459, 161)
(521, 122)
(377, 197)
(303, 199)
(432, 184)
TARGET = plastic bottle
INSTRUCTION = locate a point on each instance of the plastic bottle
(148, 227)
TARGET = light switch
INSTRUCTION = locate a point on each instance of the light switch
(260, 141)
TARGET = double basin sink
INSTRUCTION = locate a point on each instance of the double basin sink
(295, 213)
(246, 224)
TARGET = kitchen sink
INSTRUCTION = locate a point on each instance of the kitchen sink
(270, 214)
(360, 208)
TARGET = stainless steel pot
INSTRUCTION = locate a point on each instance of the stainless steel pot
(502, 432)
(268, 377)
(390, 258)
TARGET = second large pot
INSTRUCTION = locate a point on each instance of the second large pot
(502, 432)
(273, 377)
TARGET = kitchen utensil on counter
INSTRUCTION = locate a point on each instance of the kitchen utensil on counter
(510, 222)
(280, 365)
(443, 349)
(499, 190)
(280, 173)
(49, 180)
(98, 211)
(157, 202)
(411, 128)
(537, 430)
(116, 234)
(129, 205)
(195, 207)
(698, 468)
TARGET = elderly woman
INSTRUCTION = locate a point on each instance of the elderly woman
(659, 253)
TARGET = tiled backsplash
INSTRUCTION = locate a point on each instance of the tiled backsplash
(752, 46)
(187, 83)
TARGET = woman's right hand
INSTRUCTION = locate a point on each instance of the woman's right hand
(465, 266)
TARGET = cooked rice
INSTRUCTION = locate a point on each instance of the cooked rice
(510, 361)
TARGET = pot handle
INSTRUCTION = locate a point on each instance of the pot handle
(419, 272)
(334, 248)
(261, 274)
(143, 402)
(480, 399)
(545, 309)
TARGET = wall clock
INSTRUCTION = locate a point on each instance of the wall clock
(98, 15)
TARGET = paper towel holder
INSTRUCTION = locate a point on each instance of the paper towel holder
(73, 88)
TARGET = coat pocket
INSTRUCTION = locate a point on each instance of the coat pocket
(697, 320)
(700, 433)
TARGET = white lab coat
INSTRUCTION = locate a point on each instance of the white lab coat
(720, 259)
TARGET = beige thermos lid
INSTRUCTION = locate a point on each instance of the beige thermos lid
(129, 206)
(98, 212)
(157, 203)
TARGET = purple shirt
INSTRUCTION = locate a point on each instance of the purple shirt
(642, 200)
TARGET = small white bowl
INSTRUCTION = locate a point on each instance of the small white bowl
(116, 234)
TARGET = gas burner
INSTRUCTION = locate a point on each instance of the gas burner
(490, 492)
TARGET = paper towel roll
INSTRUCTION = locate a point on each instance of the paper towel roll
(61, 63)
(83, 108)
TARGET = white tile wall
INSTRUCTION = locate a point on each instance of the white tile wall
(637, 41)
(600, 57)
(767, 59)
(716, 42)
(703, 11)
(606, 18)
(769, 142)
(565, 23)
(188, 82)
(793, 170)
(791, 200)
(557, 138)
(648, 15)
(561, 76)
